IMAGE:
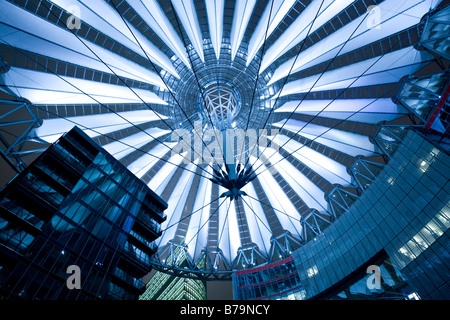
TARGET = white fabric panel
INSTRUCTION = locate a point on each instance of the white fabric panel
(140, 166)
(311, 194)
(197, 232)
(124, 147)
(46, 88)
(52, 129)
(185, 10)
(222, 228)
(347, 142)
(228, 230)
(214, 9)
(105, 18)
(49, 40)
(160, 180)
(389, 68)
(234, 241)
(279, 9)
(360, 110)
(284, 209)
(176, 204)
(327, 168)
(154, 16)
(242, 12)
(300, 27)
(394, 16)
(256, 219)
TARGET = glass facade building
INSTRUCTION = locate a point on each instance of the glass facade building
(362, 285)
(76, 206)
(164, 286)
(404, 216)
(276, 281)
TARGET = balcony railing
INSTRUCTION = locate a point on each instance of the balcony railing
(151, 245)
(137, 283)
(141, 258)
(150, 223)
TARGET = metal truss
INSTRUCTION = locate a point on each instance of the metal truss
(388, 138)
(314, 223)
(175, 259)
(364, 172)
(435, 38)
(15, 136)
(249, 256)
(436, 33)
(223, 104)
(282, 246)
(427, 98)
(340, 200)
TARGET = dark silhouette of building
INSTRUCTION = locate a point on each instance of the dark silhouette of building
(76, 205)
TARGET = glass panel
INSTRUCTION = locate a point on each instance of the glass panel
(392, 285)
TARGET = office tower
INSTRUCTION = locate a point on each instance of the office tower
(76, 224)
(163, 286)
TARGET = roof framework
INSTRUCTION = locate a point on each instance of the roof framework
(328, 86)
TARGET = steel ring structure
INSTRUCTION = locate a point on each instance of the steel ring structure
(319, 92)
